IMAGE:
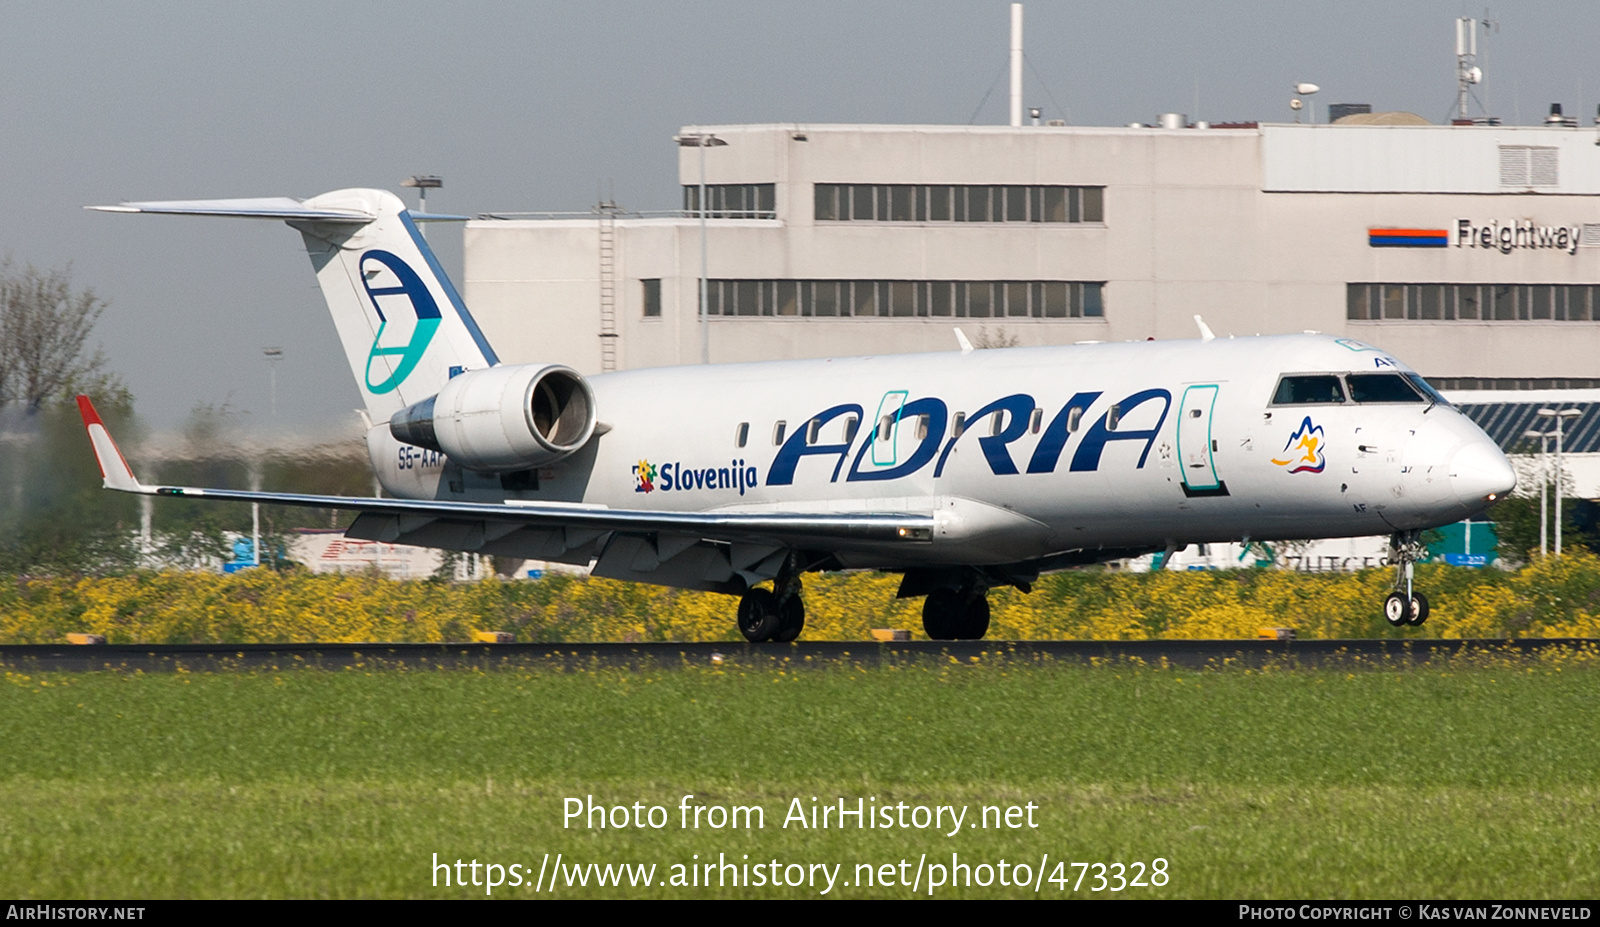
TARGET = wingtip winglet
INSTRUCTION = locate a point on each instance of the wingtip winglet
(87, 410)
(114, 470)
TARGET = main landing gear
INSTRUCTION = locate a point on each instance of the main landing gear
(778, 615)
(1405, 605)
(956, 614)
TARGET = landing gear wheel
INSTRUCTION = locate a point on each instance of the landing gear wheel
(974, 619)
(1397, 609)
(942, 615)
(1419, 608)
(759, 617)
(791, 619)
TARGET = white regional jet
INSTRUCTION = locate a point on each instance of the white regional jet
(961, 471)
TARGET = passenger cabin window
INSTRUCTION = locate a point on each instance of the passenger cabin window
(1113, 416)
(1308, 390)
(922, 427)
(741, 434)
(1382, 387)
(1035, 421)
(1074, 419)
(777, 433)
(885, 427)
(958, 426)
(850, 425)
(813, 429)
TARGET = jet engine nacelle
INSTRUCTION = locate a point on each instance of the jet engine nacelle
(503, 418)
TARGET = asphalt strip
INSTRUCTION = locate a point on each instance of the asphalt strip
(1183, 653)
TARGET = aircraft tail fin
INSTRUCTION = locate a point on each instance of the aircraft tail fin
(404, 328)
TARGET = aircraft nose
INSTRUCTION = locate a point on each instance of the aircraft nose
(1480, 474)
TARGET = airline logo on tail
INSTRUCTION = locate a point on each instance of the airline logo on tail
(390, 282)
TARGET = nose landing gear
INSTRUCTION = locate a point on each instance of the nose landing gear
(1405, 605)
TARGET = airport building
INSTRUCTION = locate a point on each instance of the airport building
(1470, 251)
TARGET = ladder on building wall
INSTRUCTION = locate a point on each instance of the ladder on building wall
(608, 284)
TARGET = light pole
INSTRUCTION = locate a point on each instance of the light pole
(702, 141)
(1560, 417)
(423, 183)
(273, 355)
(1304, 89)
(1544, 478)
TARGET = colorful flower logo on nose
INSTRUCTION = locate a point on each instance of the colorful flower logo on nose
(1303, 452)
(645, 473)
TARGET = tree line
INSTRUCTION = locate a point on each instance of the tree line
(55, 519)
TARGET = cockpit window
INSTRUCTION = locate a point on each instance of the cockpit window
(1427, 389)
(1382, 387)
(1308, 390)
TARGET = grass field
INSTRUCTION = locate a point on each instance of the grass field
(1454, 781)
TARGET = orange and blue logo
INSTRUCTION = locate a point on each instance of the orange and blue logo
(1303, 453)
(1408, 238)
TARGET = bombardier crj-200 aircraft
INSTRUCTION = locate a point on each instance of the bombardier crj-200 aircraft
(962, 471)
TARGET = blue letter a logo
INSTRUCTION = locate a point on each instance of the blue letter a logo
(391, 281)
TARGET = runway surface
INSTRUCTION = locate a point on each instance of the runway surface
(202, 658)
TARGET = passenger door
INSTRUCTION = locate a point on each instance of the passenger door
(1197, 445)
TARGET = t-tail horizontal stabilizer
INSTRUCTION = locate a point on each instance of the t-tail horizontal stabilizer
(271, 207)
(404, 328)
(284, 208)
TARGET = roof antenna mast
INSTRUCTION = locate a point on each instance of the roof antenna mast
(1467, 70)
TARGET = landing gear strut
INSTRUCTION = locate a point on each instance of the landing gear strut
(952, 614)
(1405, 605)
(778, 615)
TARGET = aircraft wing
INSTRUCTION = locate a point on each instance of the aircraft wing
(818, 529)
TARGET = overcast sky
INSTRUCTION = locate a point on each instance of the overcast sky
(533, 106)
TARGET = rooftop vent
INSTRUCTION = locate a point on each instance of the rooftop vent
(1556, 119)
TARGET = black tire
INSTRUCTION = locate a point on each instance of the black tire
(791, 619)
(1397, 609)
(1419, 608)
(758, 616)
(975, 619)
(941, 615)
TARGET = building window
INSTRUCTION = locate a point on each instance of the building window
(732, 200)
(963, 299)
(652, 298)
(865, 202)
(1472, 302)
